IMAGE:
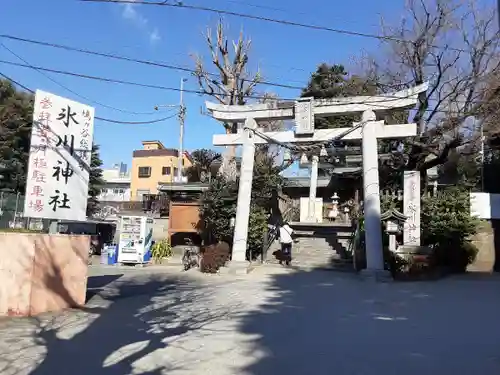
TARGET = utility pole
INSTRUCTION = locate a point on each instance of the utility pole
(182, 117)
(482, 155)
(498, 12)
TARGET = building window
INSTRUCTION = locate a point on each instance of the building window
(118, 191)
(166, 171)
(144, 172)
(183, 161)
(175, 171)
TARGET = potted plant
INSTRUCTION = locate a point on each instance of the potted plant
(161, 250)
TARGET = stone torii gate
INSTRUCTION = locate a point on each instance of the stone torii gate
(303, 111)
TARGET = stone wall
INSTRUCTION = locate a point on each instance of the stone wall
(160, 229)
(41, 273)
(484, 240)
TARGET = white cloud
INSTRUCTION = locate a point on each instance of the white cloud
(132, 15)
(154, 36)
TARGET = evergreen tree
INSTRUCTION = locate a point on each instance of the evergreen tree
(333, 81)
(16, 110)
(95, 181)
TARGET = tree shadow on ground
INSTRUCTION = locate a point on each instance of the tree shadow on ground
(120, 331)
(97, 284)
(325, 323)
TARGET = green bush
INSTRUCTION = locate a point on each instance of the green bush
(446, 217)
(257, 225)
(161, 250)
(445, 225)
(219, 206)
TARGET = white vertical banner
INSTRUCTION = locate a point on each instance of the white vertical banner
(59, 161)
(411, 203)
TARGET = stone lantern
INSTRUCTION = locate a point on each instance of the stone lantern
(393, 222)
(334, 211)
(346, 214)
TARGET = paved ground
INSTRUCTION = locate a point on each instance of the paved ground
(157, 321)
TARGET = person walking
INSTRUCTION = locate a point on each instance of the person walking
(286, 241)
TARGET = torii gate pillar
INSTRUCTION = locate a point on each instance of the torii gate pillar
(371, 192)
(244, 193)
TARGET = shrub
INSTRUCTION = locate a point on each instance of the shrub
(257, 226)
(456, 256)
(447, 226)
(217, 208)
(214, 256)
(446, 217)
(161, 250)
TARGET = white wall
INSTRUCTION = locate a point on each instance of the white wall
(114, 193)
(485, 205)
(117, 185)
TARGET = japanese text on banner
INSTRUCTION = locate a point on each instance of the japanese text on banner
(61, 145)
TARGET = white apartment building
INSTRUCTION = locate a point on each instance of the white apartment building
(116, 186)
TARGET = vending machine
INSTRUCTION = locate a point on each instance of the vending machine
(136, 239)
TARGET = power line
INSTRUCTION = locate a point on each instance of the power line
(96, 117)
(72, 91)
(388, 97)
(266, 19)
(137, 122)
(110, 80)
(119, 81)
(130, 59)
(258, 6)
(158, 87)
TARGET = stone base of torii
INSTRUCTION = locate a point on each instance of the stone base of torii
(304, 112)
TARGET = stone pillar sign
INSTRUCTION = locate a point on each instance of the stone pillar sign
(312, 190)
(411, 202)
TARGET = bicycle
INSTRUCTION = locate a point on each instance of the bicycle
(191, 256)
(92, 252)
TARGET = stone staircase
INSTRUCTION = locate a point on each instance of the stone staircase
(319, 246)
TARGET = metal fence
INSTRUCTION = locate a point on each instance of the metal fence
(11, 210)
(11, 213)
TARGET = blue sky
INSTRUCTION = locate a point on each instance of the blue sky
(285, 54)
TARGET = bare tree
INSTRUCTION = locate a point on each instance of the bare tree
(231, 85)
(453, 44)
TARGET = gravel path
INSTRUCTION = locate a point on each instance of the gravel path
(156, 322)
